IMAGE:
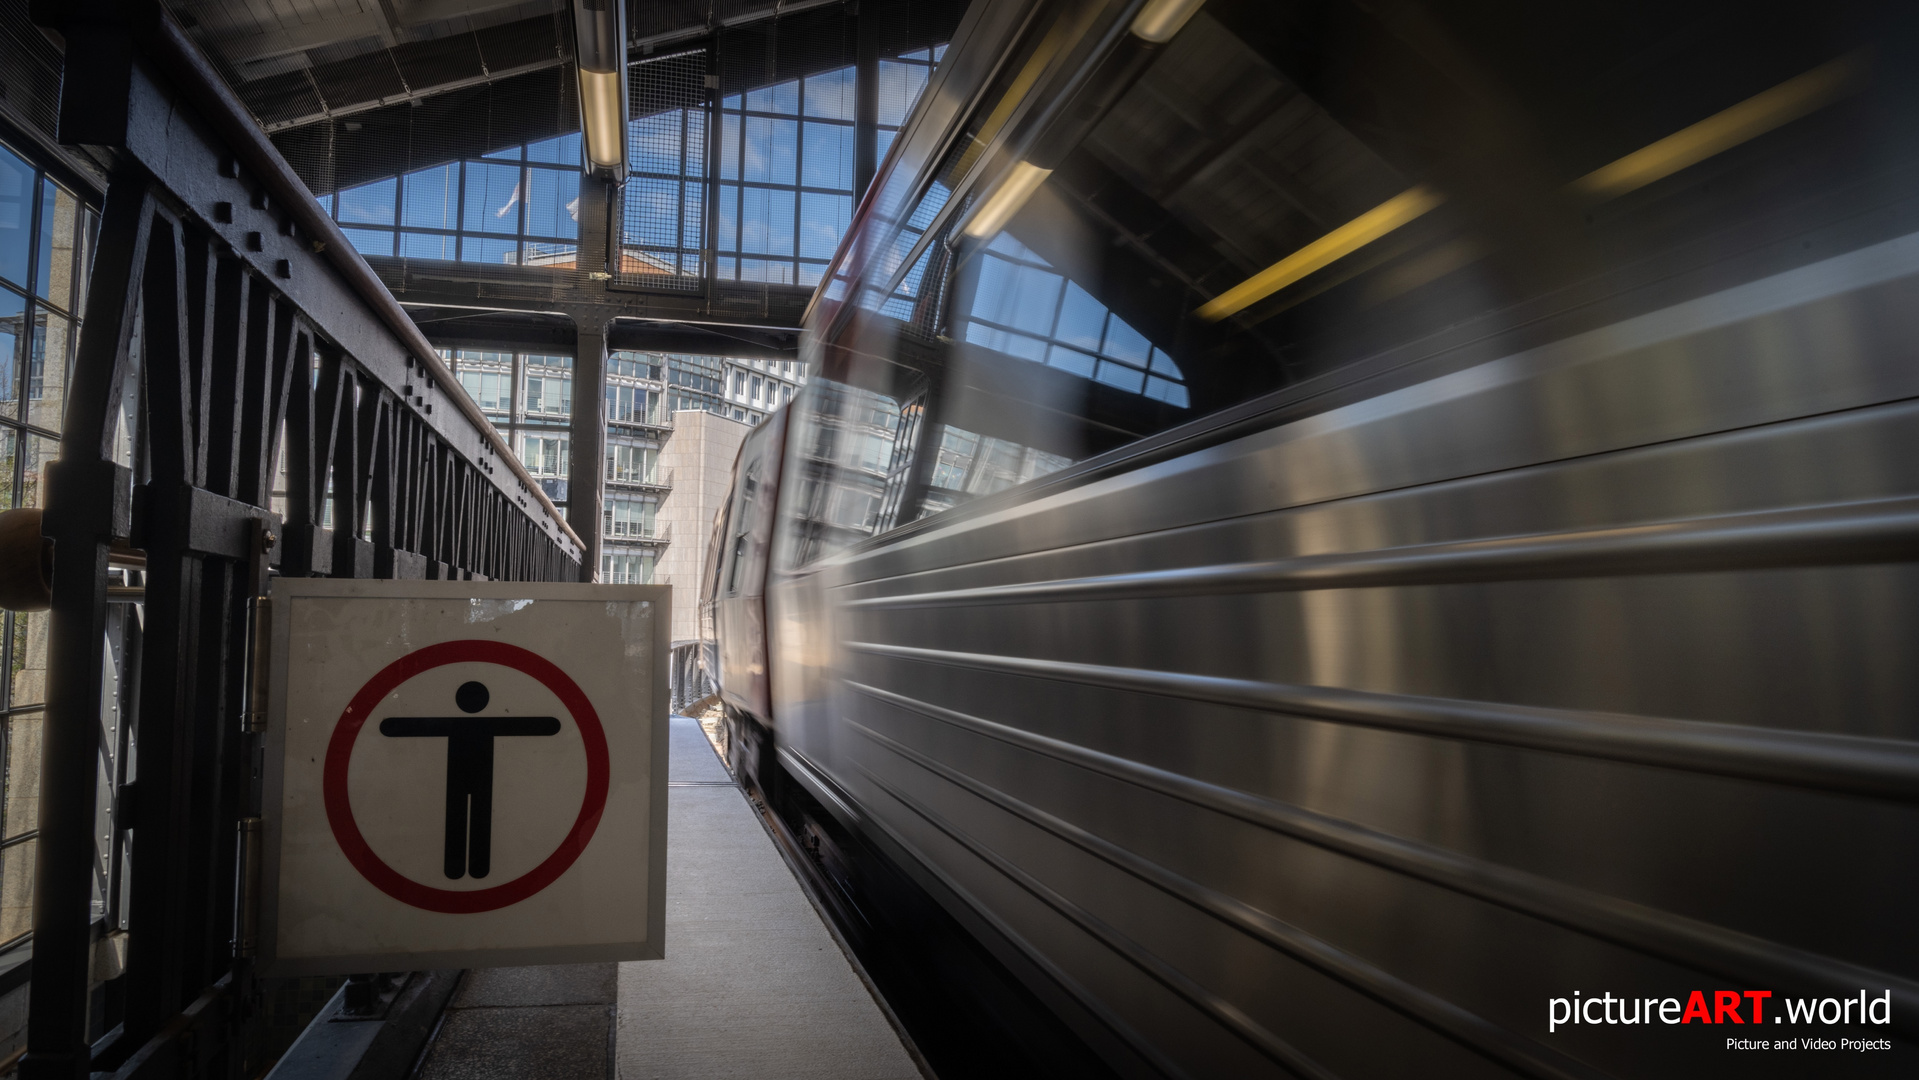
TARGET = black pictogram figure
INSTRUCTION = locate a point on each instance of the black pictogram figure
(469, 771)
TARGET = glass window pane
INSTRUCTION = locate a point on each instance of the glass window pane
(483, 249)
(16, 217)
(16, 890)
(654, 143)
(59, 225)
(729, 238)
(431, 198)
(326, 203)
(1121, 376)
(492, 198)
(730, 146)
(369, 204)
(427, 246)
(829, 157)
(823, 221)
(883, 140)
(651, 211)
(553, 203)
(27, 675)
(693, 216)
(511, 153)
(1081, 318)
(766, 221)
(1021, 297)
(831, 95)
(778, 98)
(1011, 344)
(13, 337)
(370, 241)
(811, 273)
(37, 452)
(22, 812)
(564, 150)
(1163, 365)
(900, 86)
(777, 273)
(547, 253)
(1171, 393)
(47, 365)
(1126, 343)
(9, 441)
(1072, 360)
(771, 149)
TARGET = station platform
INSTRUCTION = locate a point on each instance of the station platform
(753, 983)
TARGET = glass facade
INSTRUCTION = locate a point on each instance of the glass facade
(518, 206)
(784, 171)
(46, 240)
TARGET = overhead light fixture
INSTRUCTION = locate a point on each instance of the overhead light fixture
(599, 30)
(1159, 20)
(1722, 131)
(993, 212)
(1335, 245)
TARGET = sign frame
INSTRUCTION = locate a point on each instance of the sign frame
(286, 591)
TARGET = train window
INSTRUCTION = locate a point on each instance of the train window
(1208, 220)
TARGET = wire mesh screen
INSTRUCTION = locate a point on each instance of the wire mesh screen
(663, 211)
(29, 71)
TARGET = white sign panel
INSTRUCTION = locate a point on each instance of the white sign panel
(464, 774)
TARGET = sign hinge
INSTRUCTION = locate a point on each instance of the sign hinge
(255, 719)
(246, 900)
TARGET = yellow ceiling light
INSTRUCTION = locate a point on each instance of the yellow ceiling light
(1159, 20)
(1338, 244)
(993, 212)
(1722, 131)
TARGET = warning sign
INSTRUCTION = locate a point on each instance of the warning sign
(464, 774)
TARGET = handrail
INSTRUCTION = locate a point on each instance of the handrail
(183, 62)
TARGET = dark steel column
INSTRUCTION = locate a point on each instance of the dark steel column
(585, 486)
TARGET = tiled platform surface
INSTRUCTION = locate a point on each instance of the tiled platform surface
(753, 984)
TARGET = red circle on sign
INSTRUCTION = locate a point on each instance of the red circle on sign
(339, 810)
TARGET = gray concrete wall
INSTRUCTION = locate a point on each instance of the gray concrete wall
(699, 457)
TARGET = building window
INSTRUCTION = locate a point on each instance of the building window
(1023, 307)
(47, 235)
(544, 455)
(631, 405)
(628, 464)
(519, 206)
(626, 568)
(549, 387)
(629, 518)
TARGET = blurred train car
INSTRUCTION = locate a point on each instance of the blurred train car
(1319, 528)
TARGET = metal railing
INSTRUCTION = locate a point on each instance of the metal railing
(228, 321)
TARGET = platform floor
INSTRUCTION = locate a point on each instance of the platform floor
(753, 984)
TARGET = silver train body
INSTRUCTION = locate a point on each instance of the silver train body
(1538, 635)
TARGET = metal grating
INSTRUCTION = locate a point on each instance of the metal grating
(663, 211)
(327, 64)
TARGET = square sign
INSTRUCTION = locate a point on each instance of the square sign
(464, 774)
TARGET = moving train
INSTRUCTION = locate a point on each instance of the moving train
(1329, 536)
